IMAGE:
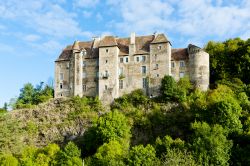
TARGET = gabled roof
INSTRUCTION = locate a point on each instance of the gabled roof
(160, 38)
(108, 41)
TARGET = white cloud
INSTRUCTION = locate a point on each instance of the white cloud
(42, 16)
(31, 37)
(195, 19)
(85, 3)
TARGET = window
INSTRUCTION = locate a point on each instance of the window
(156, 66)
(67, 66)
(97, 62)
(182, 74)
(106, 61)
(61, 85)
(144, 82)
(84, 75)
(159, 47)
(107, 50)
(138, 59)
(120, 84)
(84, 64)
(83, 52)
(143, 58)
(121, 60)
(182, 64)
(84, 88)
(61, 76)
(106, 87)
(143, 69)
(172, 64)
(61, 94)
(126, 59)
(157, 75)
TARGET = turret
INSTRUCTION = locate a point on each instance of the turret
(199, 67)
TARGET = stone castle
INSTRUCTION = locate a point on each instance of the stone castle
(109, 67)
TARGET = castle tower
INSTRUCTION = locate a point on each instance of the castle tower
(199, 67)
(77, 69)
(160, 62)
(108, 69)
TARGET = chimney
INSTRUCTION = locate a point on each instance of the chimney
(132, 38)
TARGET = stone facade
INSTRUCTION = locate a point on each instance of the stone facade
(110, 67)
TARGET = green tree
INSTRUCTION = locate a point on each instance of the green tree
(112, 153)
(69, 156)
(142, 156)
(113, 126)
(168, 88)
(210, 145)
(178, 157)
(8, 160)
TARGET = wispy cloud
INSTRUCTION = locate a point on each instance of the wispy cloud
(195, 19)
(85, 3)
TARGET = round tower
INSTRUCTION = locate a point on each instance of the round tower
(198, 67)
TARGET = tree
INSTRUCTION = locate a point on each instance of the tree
(8, 160)
(112, 153)
(69, 156)
(210, 145)
(113, 126)
(168, 88)
(142, 156)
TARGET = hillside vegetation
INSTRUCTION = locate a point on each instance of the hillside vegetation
(183, 126)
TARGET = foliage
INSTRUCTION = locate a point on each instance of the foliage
(229, 59)
(168, 88)
(30, 96)
(112, 153)
(178, 157)
(113, 126)
(142, 156)
(210, 145)
(8, 160)
(69, 156)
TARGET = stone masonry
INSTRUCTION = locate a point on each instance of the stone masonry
(109, 67)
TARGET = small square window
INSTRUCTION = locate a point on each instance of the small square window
(121, 60)
(126, 59)
(143, 58)
(107, 50)
(106, 61)
(182, 64)
(182, 74)
(143, 69)
(138, 59)
(120, 84)
(84, 88)
(61, 85)
(172, 64)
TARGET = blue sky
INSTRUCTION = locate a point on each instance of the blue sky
(33, 33)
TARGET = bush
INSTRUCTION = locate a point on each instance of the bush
(113, 126)
(142, 156)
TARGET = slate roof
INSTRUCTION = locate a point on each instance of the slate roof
(142, 44)
(179, 54)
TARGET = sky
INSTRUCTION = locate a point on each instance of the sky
(34, 32)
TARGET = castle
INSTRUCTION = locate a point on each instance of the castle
(109, 67)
